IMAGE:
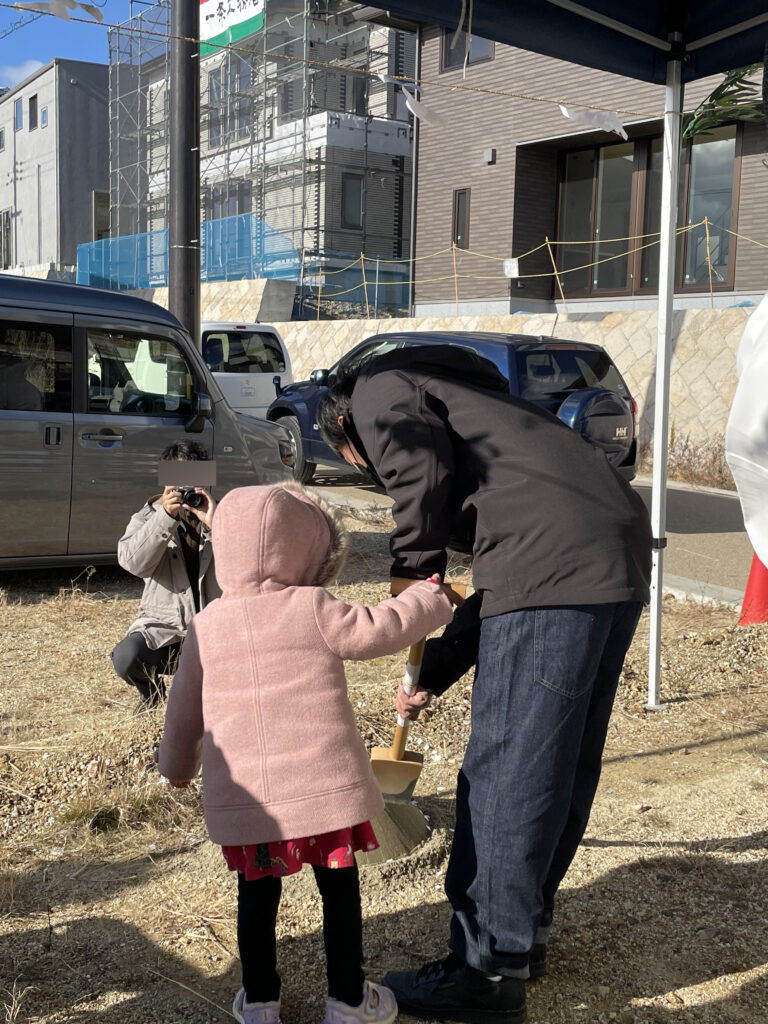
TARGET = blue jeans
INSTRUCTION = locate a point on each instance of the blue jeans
(544, 688)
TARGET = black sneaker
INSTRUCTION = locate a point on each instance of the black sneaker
(452, 990)
(537, 965)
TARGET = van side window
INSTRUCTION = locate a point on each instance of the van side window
(136, 374)
(243, 352)
(35, 367)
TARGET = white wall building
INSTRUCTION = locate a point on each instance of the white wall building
(54, 166)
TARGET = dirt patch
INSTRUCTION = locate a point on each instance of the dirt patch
(115, 909)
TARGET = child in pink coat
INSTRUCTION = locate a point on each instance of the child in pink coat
(260, 699)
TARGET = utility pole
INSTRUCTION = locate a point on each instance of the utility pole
(184, 176)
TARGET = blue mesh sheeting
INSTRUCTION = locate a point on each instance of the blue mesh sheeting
(245, 248)
(233, 248)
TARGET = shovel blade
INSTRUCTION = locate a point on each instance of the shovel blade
(396, 778)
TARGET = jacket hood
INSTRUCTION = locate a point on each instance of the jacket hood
(448, 362)
(267, 538)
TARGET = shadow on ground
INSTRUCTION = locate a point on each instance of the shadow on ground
(695, 919)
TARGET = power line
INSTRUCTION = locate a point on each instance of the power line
(27, 19)
(345, 68)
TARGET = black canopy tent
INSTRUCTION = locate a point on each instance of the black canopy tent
(669, 42)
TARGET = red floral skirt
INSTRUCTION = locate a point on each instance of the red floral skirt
(287, 856)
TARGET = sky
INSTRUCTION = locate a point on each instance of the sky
(37, 42)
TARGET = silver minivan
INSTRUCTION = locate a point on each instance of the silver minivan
(82, 429)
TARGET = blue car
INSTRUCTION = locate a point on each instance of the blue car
(576, 381)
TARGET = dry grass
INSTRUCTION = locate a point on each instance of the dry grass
(693, 462)
(114, 909)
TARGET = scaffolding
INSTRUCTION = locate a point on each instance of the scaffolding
(320, 155)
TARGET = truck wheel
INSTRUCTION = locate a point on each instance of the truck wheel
(303, 471)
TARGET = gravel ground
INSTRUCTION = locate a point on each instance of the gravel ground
(115, 908)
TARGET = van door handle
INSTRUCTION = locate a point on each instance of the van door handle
(102, 437)
(52, 436)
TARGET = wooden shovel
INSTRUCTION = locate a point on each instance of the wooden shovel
(396, 769)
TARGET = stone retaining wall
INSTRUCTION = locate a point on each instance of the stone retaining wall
(703, 377)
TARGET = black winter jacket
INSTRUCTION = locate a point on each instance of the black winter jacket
(547, 518)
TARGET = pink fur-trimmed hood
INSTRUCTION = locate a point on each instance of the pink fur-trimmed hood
(307, 544)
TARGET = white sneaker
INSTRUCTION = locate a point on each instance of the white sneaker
(379, 1006)
(255, 1013)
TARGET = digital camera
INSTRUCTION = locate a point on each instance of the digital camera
(189, 496)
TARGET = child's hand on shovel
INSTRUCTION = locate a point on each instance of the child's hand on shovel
(409, 706)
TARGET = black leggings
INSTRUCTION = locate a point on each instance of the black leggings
(139, 665)
(257, 904)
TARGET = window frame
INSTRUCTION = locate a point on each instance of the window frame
(6, 238)
(44, 116)
(454, 225)
(638, 213)
(347, 176)
(58, 360)
(18, 114)
(33, 112)
(216, 112)
(116, 330)
(446, 68)
(2, 139)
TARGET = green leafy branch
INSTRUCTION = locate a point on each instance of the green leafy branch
(737, 98)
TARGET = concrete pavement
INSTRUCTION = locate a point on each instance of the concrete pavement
(708, 554)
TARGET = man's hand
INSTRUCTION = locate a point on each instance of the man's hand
(205, 515)
(172, 501)
(409, 707)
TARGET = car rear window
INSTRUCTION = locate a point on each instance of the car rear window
(242, 352)
(564, 370)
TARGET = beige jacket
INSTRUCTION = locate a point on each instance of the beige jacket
(260, 695)
(150, 549)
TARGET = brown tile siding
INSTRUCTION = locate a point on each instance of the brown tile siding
(450, 157)
(751, 260)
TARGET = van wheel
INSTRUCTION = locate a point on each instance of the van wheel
(303, 471)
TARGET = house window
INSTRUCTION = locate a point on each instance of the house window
(461, 218)
(32, 112)
(44, 117)
(231, 200)
(706, 189)
(241, 102)
(452, 54)
(215, 108)
(352, 201)
(18, 115)
(6, 240)
(356, 98)
(2, 139)
(230, 105)
(611, 194)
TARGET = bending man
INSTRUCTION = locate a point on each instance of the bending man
(561, 551)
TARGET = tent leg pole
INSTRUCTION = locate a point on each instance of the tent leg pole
(673, 106)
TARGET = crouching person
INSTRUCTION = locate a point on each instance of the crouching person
(168, 545)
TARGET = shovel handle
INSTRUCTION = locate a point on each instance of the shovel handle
(410, 682)
(415, 655)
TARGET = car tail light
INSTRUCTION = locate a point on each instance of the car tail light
(634, 419)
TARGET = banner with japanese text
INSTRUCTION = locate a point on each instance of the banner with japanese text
(226, 21)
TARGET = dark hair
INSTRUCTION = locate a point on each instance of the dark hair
(333, 404)
(188, 451)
